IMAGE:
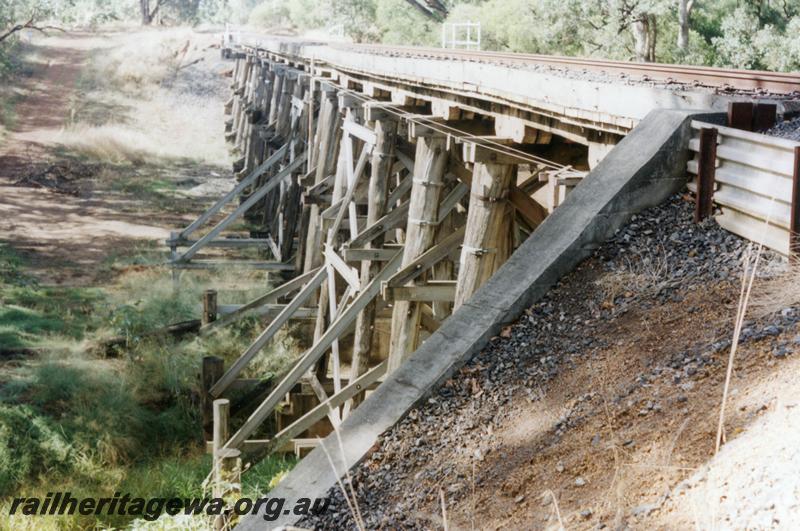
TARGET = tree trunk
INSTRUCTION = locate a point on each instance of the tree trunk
(651, 43)
(144, 7)
(684, 14)
(147, 15)
(644, 37)
(639, 29)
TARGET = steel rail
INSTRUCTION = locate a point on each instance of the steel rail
(777, 82)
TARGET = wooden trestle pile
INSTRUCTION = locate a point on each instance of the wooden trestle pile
(390, 220)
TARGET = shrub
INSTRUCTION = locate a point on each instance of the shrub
(270, 14)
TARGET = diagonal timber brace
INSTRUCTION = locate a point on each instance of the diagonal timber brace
(241, 187)
(271, 296)
(395, 218)
(271, 183)
(318, 413)
(427, 259)
(259, 343)
(337, 327)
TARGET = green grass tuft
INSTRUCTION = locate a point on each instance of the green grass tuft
(265, 474)
(30, 445)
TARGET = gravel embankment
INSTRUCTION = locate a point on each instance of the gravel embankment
(657, 260)
(789, 129)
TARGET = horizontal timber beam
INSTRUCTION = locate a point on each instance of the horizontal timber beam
(222, 242)
(359, 131)
(378, 255)
(267, 309)
(433, 290)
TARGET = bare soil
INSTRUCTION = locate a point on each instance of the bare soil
(620, 460)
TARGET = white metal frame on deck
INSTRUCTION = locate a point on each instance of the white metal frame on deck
(452, 31)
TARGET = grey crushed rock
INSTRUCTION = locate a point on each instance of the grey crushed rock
(399, 480)
(789, 129)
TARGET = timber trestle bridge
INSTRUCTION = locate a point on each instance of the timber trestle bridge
(389, 218)
(384, 192)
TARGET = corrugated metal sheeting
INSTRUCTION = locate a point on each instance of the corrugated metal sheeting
(753, 183)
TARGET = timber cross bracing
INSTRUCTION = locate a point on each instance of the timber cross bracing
(390, 219)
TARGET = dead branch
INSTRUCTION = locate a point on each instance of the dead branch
(110, 347)
(190, 63)
(30, 24)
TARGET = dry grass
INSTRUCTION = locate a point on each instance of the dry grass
(778, 293)
(146, 57)
(140, 105)
(550, 494)
(646, 277)
(748, 276)
(443, 502)
(113, 144)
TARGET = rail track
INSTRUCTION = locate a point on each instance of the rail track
(772, 82)
(784, 83)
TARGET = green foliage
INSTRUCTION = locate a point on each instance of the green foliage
(21, 11)
(9, 63)
(95, 13)
(11, 266)
(399, 23)
(728, 33)
(782, 52)
(174, 476)
(70, 421)
(308, 14)
(265, 474)
(19, 327)
(753, 40)
(271, 14)
(356, 17)
(239, 10)
(736, 45)
(93, 415)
